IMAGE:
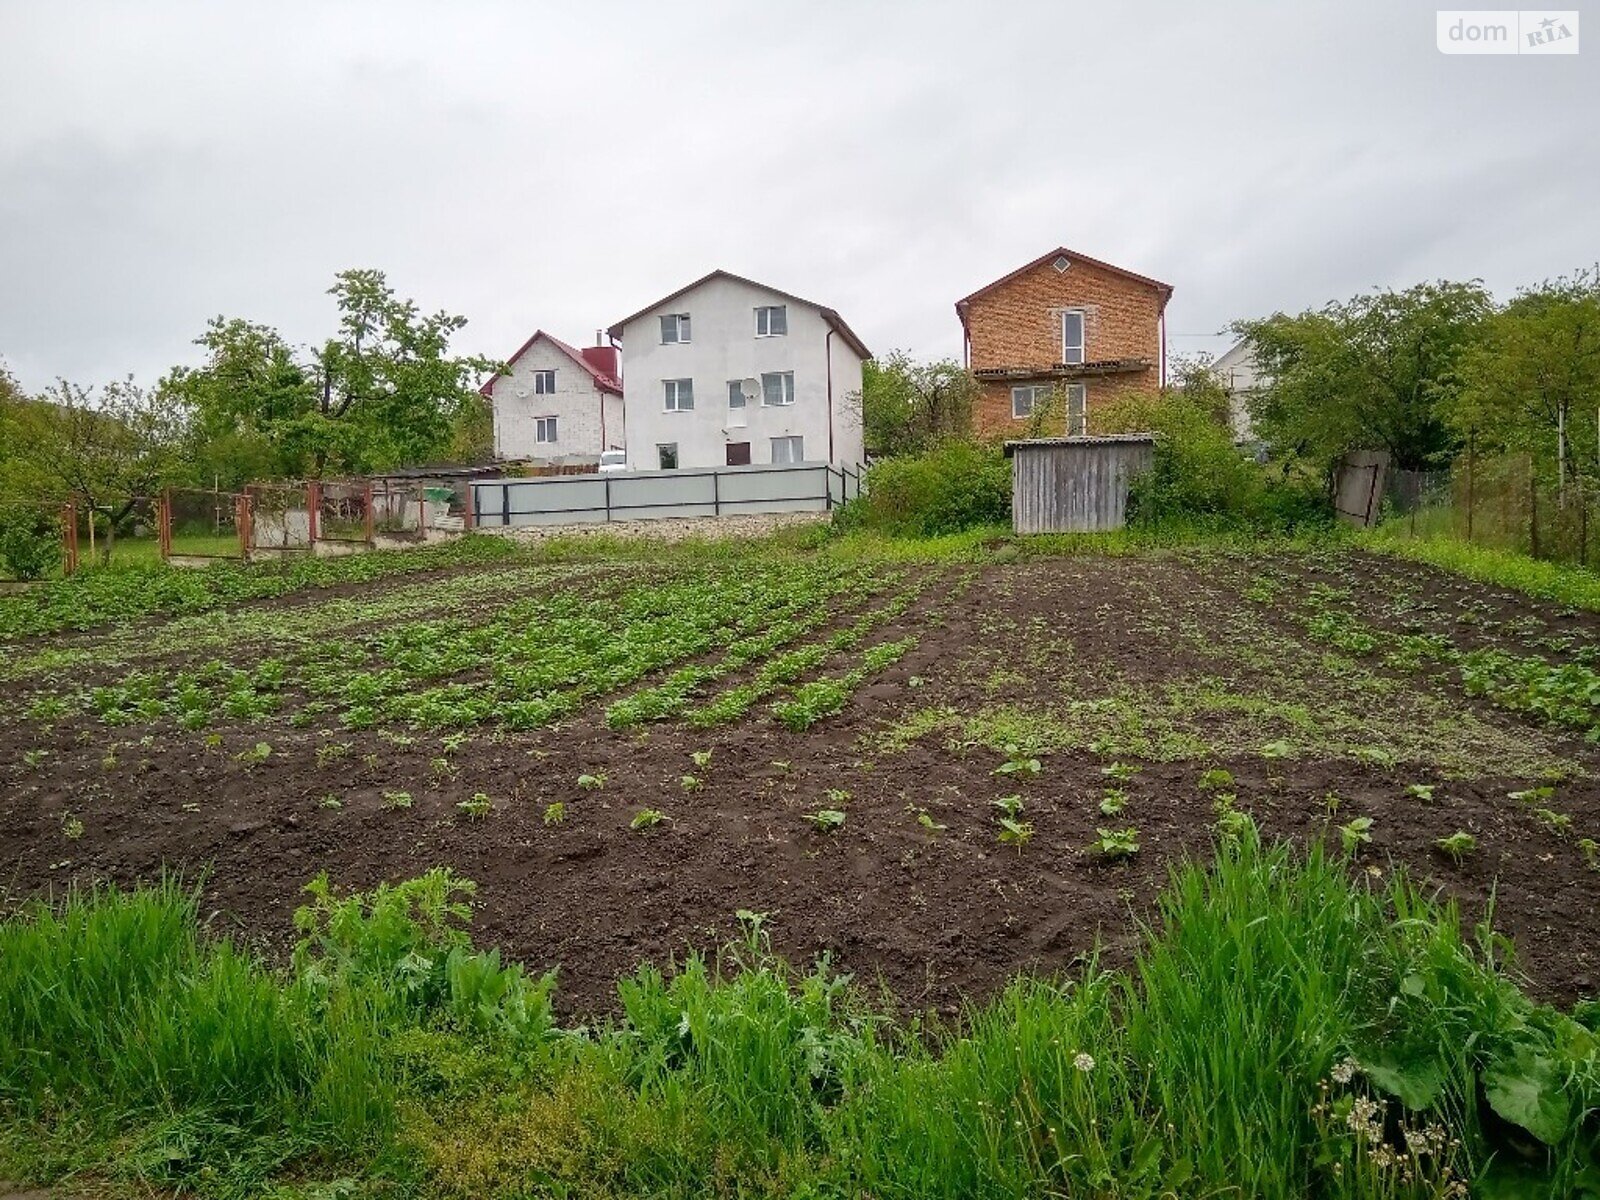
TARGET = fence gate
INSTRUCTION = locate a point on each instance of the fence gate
(1358, 486)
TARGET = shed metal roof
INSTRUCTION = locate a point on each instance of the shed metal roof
(1101, 439)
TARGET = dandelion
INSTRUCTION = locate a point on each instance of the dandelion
(1083, 1062)
(1345, 1071)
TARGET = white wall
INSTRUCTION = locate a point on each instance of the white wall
(1241, 376)
(724, 346)
(576, 403)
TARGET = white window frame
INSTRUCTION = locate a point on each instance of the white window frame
(544, 382)
(678, 323)
(677, 461)
(736, 393)
(539, 431)
(790, 440)
(1081, 390)
(1083, 338)
(785, 389)
(1035, 393)
(764, 320)
(677, 395)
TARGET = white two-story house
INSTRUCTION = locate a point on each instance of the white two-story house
(730, 372)
(557, 405)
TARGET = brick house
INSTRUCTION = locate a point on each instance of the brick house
(1065, 328)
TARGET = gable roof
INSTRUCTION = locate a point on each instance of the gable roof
(602, 380)
(1165, 289)
(831, 316)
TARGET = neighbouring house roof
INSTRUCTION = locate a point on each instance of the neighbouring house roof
(831, 316)
(1165, 289)
(603, 381)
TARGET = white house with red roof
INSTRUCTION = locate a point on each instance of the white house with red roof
(730, 372)
(556, 404)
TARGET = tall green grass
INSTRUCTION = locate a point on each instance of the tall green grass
(1285, 1030)
(1559, 582)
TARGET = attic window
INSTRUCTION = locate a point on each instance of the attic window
(1061, 264)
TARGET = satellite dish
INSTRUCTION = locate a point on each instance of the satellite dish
(750, 389)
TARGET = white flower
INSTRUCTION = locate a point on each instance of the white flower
(1345, 1071)
(1083, 1062)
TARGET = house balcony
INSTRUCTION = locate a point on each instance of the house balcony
(1106, 366)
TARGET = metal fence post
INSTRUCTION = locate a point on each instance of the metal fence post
(716, 493)
(367, 494)
(608, 499)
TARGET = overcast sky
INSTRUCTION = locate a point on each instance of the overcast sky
(562, 165)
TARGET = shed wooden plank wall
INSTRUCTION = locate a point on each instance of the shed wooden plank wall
(1060, 488)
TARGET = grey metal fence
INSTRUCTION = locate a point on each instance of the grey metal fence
(655, 495)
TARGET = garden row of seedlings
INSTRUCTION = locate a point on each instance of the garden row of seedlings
(1565, 694)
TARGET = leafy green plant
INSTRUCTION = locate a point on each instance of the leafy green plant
(1458, 845)
(925, 818)
(689, 783)
(1120, 771)
(826, 819)
(1590, 849)
(555, 813)
(1216, 779)
(1113, 801)
(397, 799)
(1355, 833)
(1557, 822)
(647, 818)
(477, 806)
(1009, 805)
(1534, 795)
(1277, 749)
(1420, 791)
(330, 800)
(701, 758)
(1018, 763)
(71, 827)
(255, 755)
(1116, 843)
(592, 783)
(1015, 833)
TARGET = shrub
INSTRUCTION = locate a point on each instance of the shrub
(958, 485)
(1200, 476)
(30, 542)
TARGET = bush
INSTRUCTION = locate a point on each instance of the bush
(956, 486)
(1201, 477)
(30, 541)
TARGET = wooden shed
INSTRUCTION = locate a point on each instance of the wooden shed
(1075, 484)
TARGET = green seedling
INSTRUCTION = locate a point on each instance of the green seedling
(331, 751)
(555, 813)
(924, 819)
(1113, 802)
(1010, 805)
(838, 797)
(1533, 795)
(1116, 843)
(32, 758)
(1234, 824)
(478, 807)
(1120, 771)
(331, 800)
(781, 765)
(1015, 833)
(259, 753)
(1559, 822)
(370, 761)
(826, 819)
(701, 758)
(1017, 763)
(647, 818)
(689, 783)
(1458, 845)
(71, 827)
(1420, 791)
(1277, 749)
(1354, 834)
(454, 741)
(441, 768)
(1590, 849)
(213, 741)
(397, 799)
(592, 783)
(1215, 779)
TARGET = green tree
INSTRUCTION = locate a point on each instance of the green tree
(1376, 372)
(383, 392)
(908, 407)
(1531, 383)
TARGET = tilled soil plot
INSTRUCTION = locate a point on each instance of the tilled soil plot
(1125, 679)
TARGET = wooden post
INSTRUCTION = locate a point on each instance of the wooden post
(69, 535)
(313, 512)
(469, 507)
(367, 493)
(1533, 511)
(242, 525)
(164, 523)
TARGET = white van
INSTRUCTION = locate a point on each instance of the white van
(613, 460)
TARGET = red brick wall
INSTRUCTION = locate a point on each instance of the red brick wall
(1019, 325)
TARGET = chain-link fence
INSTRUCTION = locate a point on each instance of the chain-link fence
(203, 523)
(1511, 502)
(279, 519)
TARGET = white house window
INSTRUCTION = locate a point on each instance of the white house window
(735, 393)
(544, 430)
(1072, 337)
(1025, 399)
(667, 455)
(777, 387)
(788, 449)
(674, 328)
(1077, 409)
(679, 394)
(772, 320)
(544, 384)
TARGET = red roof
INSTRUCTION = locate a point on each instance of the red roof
(829, 315)
(1072, 256)
(602, 380)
